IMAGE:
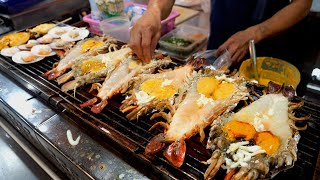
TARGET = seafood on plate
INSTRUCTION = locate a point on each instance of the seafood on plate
(258, 141)
(14, 39)
(75, 34)
(42, 50)
(29, 45)
(120, 79)
(26, 57)
(58, 31)
(209, 95)
(46, 39)
(89, 69)
(157, 91)
(60, 44)
(87, 47)
(9, 51)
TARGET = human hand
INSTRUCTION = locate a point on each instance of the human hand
(237, 44)
(145, 35)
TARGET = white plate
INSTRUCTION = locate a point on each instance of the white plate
(83, 33)
(9, 51)
(35, 50)
(17, 58)
(57, 32)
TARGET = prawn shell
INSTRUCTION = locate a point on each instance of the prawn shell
(83, 33)
(36, 49)
(17, 58)
(9, 51)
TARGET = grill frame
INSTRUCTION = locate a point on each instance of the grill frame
(132, 137)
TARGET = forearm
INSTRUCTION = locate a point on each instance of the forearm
(160, 7)
(282, 20)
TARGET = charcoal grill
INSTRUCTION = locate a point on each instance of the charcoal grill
(129, 138)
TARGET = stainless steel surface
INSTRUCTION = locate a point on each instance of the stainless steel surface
(15, 162)
(47, 129)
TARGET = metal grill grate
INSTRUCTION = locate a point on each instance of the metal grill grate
(134, 135)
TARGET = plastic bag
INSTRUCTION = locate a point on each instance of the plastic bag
(223, 62)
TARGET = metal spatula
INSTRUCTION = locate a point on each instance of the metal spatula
(253, 56)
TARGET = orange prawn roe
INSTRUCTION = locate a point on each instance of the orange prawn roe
(207, 86)
(154, 88)
(238, 129)
(91, 45)
(267, 141)
(224, 90)
(91, 66)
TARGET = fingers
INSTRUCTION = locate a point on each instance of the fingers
(146, 45)
(237, 56)
(224, 47)
(154, 42)
(135, 42)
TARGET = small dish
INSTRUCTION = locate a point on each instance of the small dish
(25, 57)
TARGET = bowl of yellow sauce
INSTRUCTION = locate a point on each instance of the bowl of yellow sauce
(271, 69)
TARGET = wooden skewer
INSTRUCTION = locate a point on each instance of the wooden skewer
(62, 22)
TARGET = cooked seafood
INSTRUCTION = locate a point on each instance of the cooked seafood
(42, 50)
(14, 39)
(157, 91)
(58, 31)
(209, 95)
(120, 78)
(75, 34)
(87, 47)
(25, 57)
(88, 69)
(41, 29)
(46, 39)
(256, 142)
(9, 51)
(60, 44)
(29, 45)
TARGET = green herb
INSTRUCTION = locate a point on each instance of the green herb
(178, 41)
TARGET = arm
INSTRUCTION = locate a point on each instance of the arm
(285, 18)
(146, 32)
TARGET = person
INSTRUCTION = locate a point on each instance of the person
(233, 24)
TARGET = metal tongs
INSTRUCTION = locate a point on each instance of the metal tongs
(253, 56)
(223, 62)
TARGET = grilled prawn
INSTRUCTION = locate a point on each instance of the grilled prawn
(209, 96)
(88, 47)
(157, 91)
(90, 69)
(257, 141)
(120, 78)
